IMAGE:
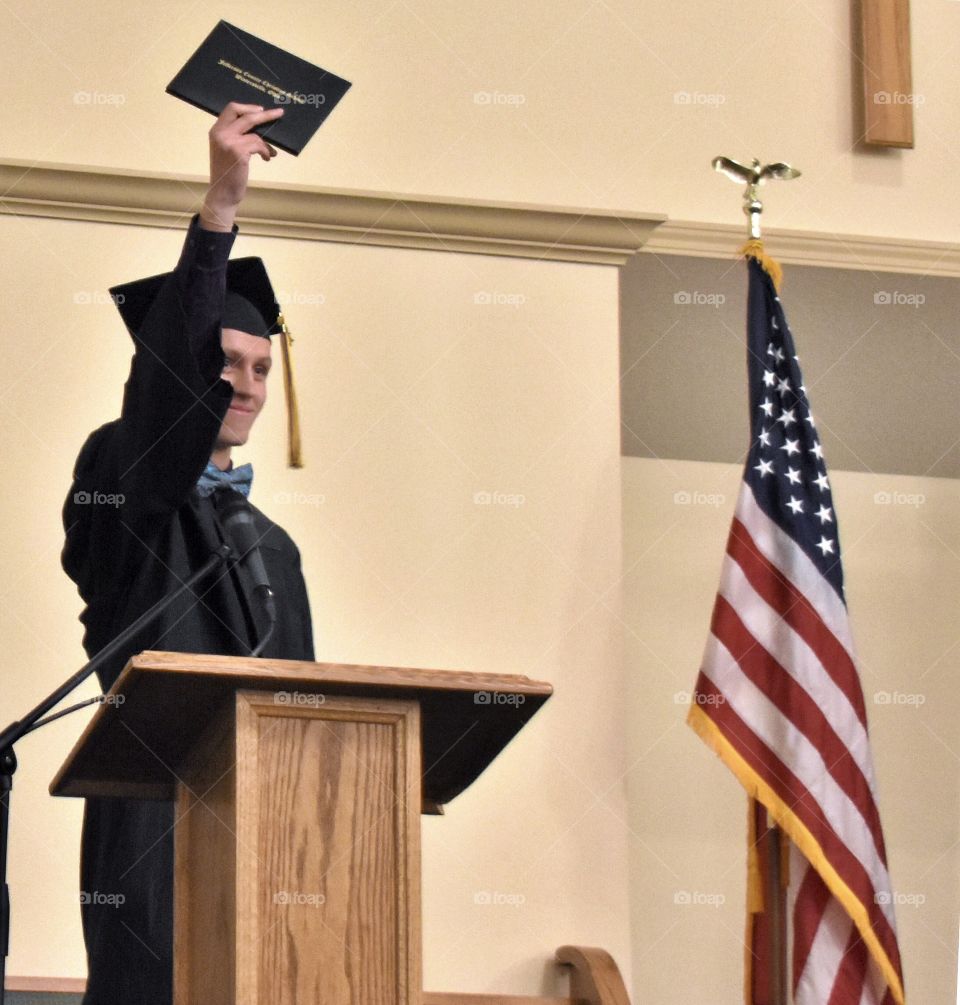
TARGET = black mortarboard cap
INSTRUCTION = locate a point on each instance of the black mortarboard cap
(250, 306)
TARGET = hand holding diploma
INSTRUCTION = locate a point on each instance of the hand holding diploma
(232, 144)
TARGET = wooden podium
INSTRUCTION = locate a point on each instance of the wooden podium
(299, 788)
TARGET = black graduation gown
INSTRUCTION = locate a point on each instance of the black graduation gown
(136, 528)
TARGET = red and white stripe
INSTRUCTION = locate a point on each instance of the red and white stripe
(780, 683)
(830, 964)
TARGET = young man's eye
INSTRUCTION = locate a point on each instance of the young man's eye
(227, 362)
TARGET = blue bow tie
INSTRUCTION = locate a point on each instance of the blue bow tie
(239, 479)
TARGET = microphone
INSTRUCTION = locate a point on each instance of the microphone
(237, 519)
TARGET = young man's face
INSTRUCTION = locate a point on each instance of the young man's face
(246, 366)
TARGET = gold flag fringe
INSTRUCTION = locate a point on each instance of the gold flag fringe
(797, 832)
(755, 891)
(754, 249)
(294, 450)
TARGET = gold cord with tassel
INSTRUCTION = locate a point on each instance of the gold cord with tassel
(754, 249)
(755, 897)
(294, 450)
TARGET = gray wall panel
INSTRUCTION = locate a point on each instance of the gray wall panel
(880, 354)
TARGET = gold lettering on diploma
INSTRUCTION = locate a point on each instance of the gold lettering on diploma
(279, 95)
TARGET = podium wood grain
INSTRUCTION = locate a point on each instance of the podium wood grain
(298, 843)
(298, 788)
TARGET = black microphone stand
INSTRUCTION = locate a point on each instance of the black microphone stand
(34, 719)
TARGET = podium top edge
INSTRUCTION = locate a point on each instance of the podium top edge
(163, 701)
(285, 671)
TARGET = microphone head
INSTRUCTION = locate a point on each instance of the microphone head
(236, 516)
(240, 531)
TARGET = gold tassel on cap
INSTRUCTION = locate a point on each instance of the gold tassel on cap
(294, 451)
(754, 249)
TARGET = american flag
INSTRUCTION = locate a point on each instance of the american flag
(778, 697)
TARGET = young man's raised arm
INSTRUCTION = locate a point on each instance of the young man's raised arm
(174, 402)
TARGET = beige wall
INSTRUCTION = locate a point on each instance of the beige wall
(415, 397)
(688, 813)
(561, 102)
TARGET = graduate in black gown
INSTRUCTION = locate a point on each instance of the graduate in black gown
(143, 513)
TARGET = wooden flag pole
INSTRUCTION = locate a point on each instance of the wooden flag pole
(776, 894)
(767, 976)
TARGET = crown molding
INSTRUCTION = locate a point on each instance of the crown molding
(354, 216)
(799, 247)
(111, 195)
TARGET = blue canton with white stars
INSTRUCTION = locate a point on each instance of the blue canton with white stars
(785, 467)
